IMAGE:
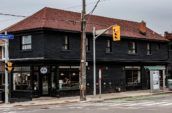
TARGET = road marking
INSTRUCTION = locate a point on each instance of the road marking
(167, 104)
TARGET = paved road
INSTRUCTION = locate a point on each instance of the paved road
(153, 104)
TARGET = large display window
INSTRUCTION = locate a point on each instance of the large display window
(68, 77)
(21, 78)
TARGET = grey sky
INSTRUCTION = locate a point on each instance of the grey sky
(156, 13)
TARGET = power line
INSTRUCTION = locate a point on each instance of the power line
(66, 20)
(94, 7)
(13, 15)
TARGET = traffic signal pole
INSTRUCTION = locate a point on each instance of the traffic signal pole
(6, 71)
(95, 36)
(83, 54)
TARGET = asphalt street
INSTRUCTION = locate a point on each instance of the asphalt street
(145, 104)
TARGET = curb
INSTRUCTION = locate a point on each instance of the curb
(76, 100)
(125, 97)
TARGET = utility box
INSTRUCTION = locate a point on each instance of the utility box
(170, 84)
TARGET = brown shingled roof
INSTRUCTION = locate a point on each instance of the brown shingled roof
(168, 35)
(67, 20)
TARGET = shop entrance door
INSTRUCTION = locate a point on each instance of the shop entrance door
(45, 85)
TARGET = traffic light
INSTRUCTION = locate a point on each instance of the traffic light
(116, 33)
(9, 66)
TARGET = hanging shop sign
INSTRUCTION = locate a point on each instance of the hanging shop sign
(43, 70)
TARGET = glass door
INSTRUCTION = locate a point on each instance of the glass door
(45, 85)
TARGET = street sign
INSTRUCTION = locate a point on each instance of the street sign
(8, 36)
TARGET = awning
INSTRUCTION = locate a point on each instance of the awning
(155, 67)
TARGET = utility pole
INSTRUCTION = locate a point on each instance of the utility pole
(6, 72)
(83, 54)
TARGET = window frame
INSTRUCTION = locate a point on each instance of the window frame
(133, 48)
(66, 43)
(149, 49)
(26, 45)
(108, 46)
(22, 70)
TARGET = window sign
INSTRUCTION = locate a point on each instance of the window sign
(43, 70)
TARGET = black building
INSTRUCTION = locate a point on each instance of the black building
(169, 67)
(46, 55)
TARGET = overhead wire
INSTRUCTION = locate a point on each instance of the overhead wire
(12, 15)
(66, 20)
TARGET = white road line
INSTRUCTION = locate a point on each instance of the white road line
(155, 103)
(167, 104)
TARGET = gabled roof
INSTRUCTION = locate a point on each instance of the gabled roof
(70, 21)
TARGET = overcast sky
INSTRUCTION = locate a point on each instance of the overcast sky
(156, 13)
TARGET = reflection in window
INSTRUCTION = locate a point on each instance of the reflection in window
(21, 78)
(108, 46)
(66, 43)
(26, 42)
(132, 48)
(133, 77)
(69, 79)
(149, 49)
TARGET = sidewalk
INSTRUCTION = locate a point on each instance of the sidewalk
(90, 98)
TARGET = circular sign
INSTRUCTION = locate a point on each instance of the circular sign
(43, 70)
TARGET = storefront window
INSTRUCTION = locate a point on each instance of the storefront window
(133, 77)
(21, 78)
(69, 78)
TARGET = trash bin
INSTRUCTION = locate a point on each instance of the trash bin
(170, 84)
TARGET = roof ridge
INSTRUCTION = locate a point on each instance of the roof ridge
(92, 15)
(59, 20)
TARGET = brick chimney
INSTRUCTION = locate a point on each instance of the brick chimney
(142, 27)
(168, 35)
